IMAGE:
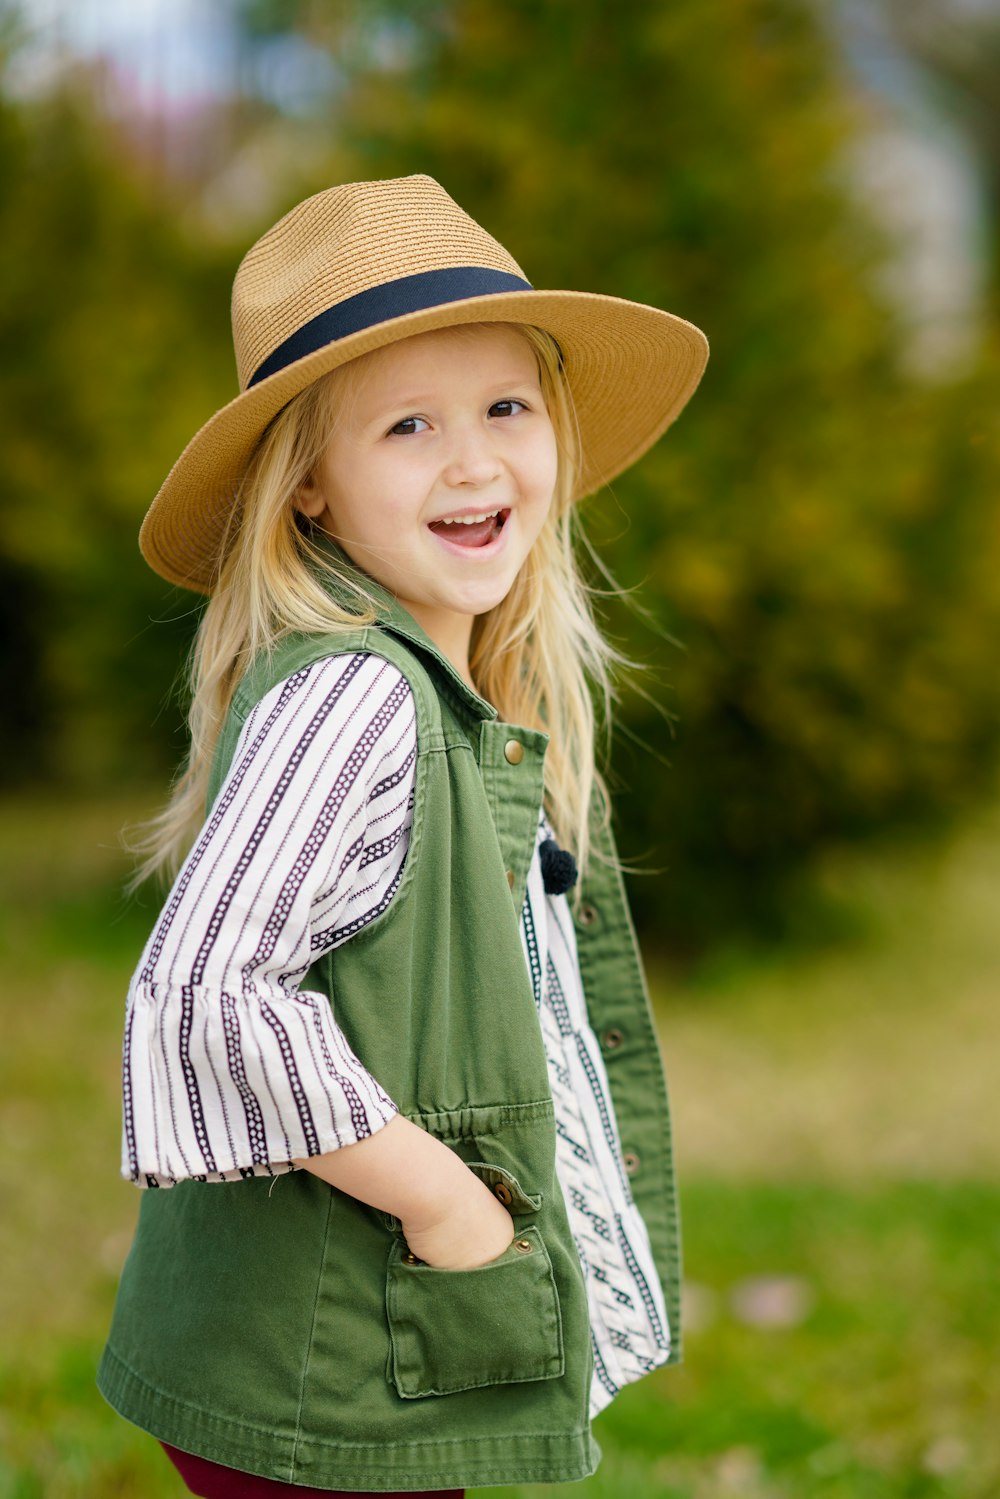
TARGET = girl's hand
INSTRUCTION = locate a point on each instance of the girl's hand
(450, 1218)
(468, 1228)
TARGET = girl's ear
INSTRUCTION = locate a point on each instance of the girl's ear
(309, 499)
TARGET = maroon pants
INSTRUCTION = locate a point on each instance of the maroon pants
(214, 1481)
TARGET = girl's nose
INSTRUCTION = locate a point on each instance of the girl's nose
(472, 459)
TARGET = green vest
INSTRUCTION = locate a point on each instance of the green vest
(275, 1324)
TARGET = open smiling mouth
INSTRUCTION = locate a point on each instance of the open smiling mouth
(472, 532)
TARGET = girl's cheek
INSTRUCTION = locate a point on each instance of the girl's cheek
(393, 516)
(405, 458)
(547, 466)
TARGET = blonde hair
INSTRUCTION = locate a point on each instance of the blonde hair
(536, 656)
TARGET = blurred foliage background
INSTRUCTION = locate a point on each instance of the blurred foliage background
(813, 543)
(805, 774)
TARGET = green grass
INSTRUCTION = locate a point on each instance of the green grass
(887, 1384)
(838, 1150)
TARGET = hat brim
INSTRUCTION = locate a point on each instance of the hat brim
(631, 369)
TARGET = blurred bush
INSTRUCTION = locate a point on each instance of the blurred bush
(813, 541)
(114, 332)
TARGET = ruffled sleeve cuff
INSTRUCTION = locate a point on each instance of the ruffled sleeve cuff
(218, 1087)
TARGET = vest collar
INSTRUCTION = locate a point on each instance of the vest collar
(392, 616)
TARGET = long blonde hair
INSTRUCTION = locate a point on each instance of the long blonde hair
(536, 656)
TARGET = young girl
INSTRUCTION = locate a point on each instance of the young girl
(391, 1084)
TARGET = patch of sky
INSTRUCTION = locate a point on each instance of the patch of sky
(918, 173)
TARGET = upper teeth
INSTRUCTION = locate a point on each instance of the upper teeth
(469, 520)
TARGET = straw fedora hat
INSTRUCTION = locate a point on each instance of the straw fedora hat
(365, 264)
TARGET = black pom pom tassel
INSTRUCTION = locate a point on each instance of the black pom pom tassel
(558, 868)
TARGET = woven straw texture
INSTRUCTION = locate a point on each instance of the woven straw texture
(631, 368)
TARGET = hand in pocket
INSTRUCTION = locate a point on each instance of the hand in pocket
(468, 1228)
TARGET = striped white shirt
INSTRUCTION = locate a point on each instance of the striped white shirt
(231, 1070)
(628, 1317)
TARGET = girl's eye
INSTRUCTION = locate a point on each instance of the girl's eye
(406, 422)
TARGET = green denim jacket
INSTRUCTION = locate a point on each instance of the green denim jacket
(276, 1325)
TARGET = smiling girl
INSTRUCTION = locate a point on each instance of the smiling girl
(441, 475)
(391, 1086)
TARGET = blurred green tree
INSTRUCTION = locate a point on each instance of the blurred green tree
(114, 331)
(814, 540)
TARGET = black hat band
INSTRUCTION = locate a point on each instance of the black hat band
(390, 300)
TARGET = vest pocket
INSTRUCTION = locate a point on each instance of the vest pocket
(497, 1323)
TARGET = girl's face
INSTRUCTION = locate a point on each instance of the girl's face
(445, 424)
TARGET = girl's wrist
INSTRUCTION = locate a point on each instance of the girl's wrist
(450, 1218)
(400, 1169)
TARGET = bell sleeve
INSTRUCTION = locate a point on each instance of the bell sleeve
(229, 1070)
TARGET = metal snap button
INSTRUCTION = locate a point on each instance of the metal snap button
(523, 1245)
(631, 1162)
(514, 751)
(587, 916)
(409, 1258)
(510, 878)
(613, 1038)
(504, 1193)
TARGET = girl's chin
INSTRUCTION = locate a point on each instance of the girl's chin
(437, 599)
